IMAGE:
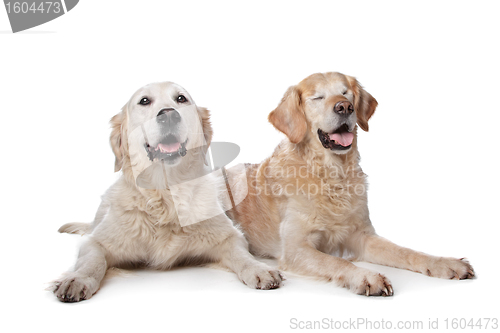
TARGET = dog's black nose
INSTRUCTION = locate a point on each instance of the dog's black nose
(343, 107)
(168, 116)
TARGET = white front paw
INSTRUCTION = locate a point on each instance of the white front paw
(368, 283)
(262, 277)
(74, 288)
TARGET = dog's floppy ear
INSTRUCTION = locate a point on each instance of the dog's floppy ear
(289, 116)
(206, 124)
(364, 103)
(116, 138)
(207, 130)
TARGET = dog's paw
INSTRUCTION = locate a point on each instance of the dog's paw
(262, 277)
(371, 284)
(449, 268)
(74, 288)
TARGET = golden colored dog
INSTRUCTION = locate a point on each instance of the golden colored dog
(308, 200)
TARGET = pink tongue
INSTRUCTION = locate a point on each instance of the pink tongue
(343, 139)
(168, 148)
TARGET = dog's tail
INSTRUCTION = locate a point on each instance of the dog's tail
(86, 228)
(76, 228)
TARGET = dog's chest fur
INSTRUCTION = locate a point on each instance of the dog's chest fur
(148, 230)
(333, 189)
(338, 212)
(329, 194)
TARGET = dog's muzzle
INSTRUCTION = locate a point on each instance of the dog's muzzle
(169, 147)
(166, 151)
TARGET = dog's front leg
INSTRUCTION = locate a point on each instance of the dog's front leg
(233, 254)
(299, 254)
(378, 250)
(85, 280)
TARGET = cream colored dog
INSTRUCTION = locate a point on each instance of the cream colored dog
(308, 200)
(157, 214)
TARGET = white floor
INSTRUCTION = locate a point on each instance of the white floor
(197, 299)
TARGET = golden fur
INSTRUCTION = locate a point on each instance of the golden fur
(306, 202)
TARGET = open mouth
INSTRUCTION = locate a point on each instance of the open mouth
(168, 148)
(340, 139)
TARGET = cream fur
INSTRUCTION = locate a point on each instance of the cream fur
(154, 225)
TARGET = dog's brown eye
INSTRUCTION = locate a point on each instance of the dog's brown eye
(144, 101)
(181, 99)
(345, 92)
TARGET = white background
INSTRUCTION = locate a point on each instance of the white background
(431, 153)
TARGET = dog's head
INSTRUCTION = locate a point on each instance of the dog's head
(159, 124)
(325, 107)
